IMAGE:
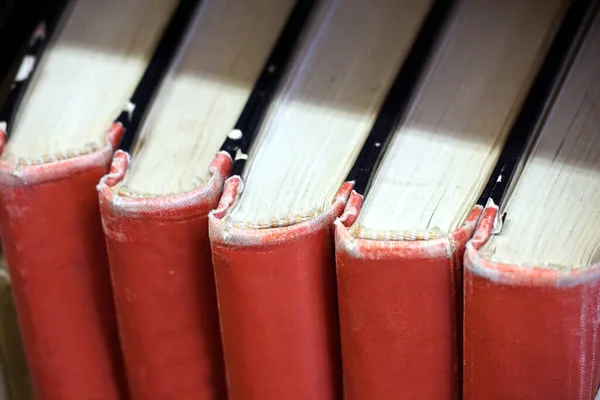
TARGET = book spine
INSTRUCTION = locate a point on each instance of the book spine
(164, 289)
(529, 332)
(399, 312)
(277, 303)
(53, 242)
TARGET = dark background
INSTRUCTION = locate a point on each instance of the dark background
(18, 19)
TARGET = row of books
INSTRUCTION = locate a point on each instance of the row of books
(311, 199)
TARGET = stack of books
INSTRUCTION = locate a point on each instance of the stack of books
(311, 199)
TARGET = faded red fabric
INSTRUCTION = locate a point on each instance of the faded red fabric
(529, 333)
(53, 242)
(277, 302)
(399, 312)
(164, 287)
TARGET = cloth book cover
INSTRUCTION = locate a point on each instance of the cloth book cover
(156, 222)
(532, 269)
(401, 239)
(272, 233)
(84, 64)
(303, 199)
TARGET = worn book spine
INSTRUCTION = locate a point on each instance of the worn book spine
(529, 332)
(399, 305)
(277, 302)
(164, 289)
(54, 246)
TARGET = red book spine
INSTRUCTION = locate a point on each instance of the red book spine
(277, 302)
(163, 281)
(529, 332)
(54, 246)
(399, 305)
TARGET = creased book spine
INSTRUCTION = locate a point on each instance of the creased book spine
(529, 332)
(54, 246)
(277, 304)
(164, 286)
(400, 312)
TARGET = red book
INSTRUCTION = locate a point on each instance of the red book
(532, 270)
(52, 238)
(165, 294)
(399, 249)
(285, 278)
(272, 234)
(156, 216)
(529, 332)
(398, 311)
(58, 148)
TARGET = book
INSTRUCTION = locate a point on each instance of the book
(532, 270)
(271, 235)
(57, 142)
(23, 31)
(399, 249)
(155, 202)
(297, 188)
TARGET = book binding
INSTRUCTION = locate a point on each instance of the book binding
(529, 332)
(399, 304)
(53, 241)
(163, 283)
(277, 304)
